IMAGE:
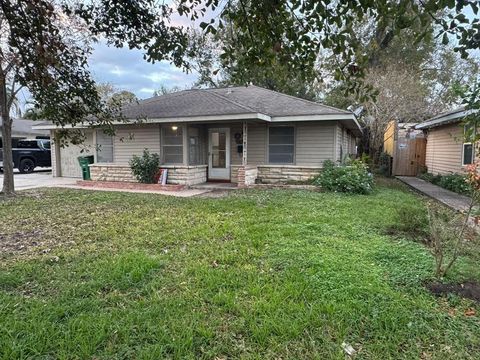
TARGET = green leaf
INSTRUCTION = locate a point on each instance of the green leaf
(445, 39)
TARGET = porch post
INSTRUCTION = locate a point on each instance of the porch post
(245, 138)
(242, 169)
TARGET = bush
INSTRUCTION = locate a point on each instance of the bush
(350, 178)
(145, 167)
(384, 165)
(453, 182)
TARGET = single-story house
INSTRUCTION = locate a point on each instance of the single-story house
(23, 128)
(237, 134)
(447, 151)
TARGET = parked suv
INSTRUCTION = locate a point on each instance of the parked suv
(29, 154)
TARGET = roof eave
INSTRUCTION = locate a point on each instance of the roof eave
(179, 119)
(445, 120)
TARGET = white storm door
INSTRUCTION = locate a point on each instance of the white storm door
(219, 154)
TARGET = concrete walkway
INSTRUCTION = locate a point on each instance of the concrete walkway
(453, 200)
(38, 179)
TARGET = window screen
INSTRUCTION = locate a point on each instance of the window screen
(104, 147)
(281, 145)
(172, 145)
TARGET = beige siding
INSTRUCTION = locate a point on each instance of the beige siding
(68, 162)
(133, 139)
(314, 143)
(345, 143)
(444, 149)
(235, 156)
(339, 143)
(338, 150)
(257, 144)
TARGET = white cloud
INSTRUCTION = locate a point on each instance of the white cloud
(127, 70)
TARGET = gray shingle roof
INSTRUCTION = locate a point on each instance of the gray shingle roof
(23, 128)
(227, 101)
(445, 118)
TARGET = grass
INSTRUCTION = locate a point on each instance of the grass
(260, 274)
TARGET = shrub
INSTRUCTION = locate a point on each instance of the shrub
(145, 167)
(350, 178)
(384, 164)
(453, 182)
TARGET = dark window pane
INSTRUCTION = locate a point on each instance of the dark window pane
(281, 158)
(172, 159)
(467, 154)
(281, 130)
(281, 147)
(173, 150)
(282, 139)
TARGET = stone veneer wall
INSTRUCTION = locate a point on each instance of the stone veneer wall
(246, 175)
(234, 173)
(274, 174)
(177, 174)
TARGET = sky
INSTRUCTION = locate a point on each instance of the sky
(127, 70)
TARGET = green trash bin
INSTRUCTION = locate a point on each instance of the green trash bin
(84, 161)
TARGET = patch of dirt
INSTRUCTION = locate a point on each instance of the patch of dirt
(468, 289)
(215, 194)
(19, 241)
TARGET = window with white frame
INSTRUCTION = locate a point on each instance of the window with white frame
(172, 144)
(281, 145)
(468, 150)
(104, 147)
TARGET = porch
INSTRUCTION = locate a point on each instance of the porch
(241, 152)
(192, 153)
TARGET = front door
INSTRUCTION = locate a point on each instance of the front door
(219, 154)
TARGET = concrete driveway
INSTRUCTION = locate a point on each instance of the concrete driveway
(38, 179)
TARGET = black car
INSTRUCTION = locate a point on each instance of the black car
(29, 154)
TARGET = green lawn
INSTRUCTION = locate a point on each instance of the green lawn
(259, 274)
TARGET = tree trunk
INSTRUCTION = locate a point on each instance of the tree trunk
(8, 184)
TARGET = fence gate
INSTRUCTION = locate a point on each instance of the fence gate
(409, 157)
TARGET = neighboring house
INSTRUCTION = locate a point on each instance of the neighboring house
(447, 152)
(23, 128)
(236, 134)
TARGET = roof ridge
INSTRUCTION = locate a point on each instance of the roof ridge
(153, 98)
(233, 101)
(304, 100)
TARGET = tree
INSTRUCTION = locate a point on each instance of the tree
(272, 72)
(166, 90)
(110, 95)
(414, 81)
(45, 45)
